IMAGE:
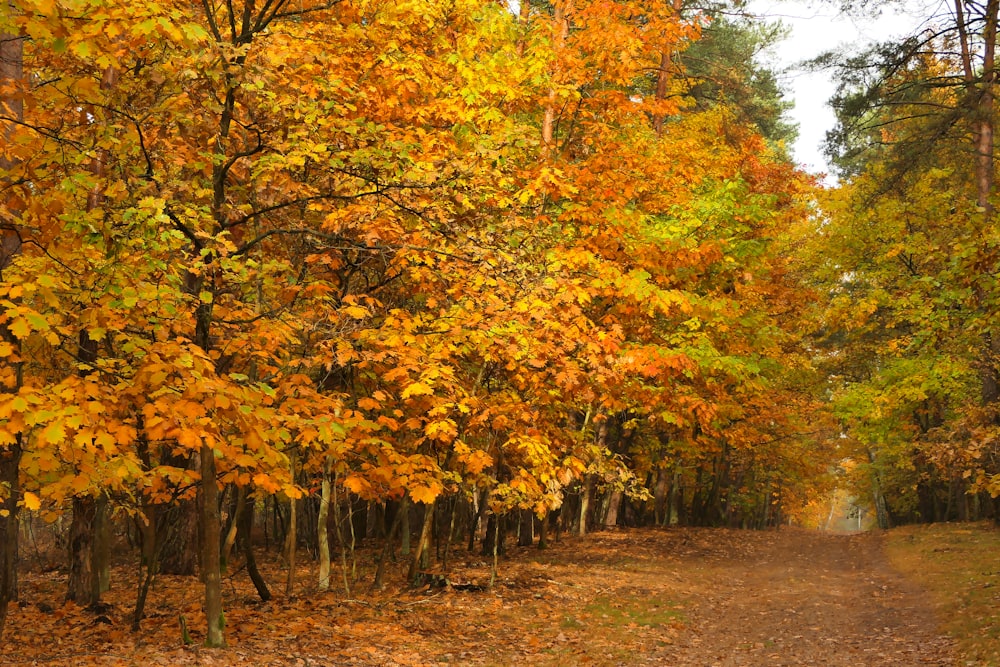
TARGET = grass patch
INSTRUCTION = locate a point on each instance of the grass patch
(959, 566)
(629, 612)
(570, 623)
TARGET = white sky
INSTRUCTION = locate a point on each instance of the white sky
(817, 27)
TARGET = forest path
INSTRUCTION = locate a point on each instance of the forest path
(678, 598)
(705, 598)
(796, 597)
(711, 597)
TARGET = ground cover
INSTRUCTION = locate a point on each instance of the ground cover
(958, 565)
(630, 597)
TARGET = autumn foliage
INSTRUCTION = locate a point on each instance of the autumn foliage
(905, 256)
(394, 252)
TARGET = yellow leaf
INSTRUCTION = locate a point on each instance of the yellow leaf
(357, 312)
(54, 433)
(265, 483)
(31, 501)
(19, 328)
(106, 441)
(426, 494)
(443, 430)
(188, 438)
(478, 461)
(80, 483)
(358, 485)
(416, 389)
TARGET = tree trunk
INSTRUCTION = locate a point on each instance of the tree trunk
(322, 530)
(451, 531)
(525, 528)
(496, 533)
(563, 8)
(543, 531)
(881, 510)
(980, 83)
(601, 440)
(148, 561)
(660, 489)
(11, 372)
(377, 583)
(179, 549)
(354, 537)
(10, 460)
(989, 361)
(211, 544)
(421, 556)
(180, 544)
(10, 465)
(661, 89)
(290, 547)
(523, 15)
(245, 536)
(498, 539)
(102, 548)
(404, 511)
(585, 493)
(339, 524)
(81, 552)
(234, 521)
(949, 499)
(663, 78)
(984, 136)
(84, 576)
(478, 505)
(614, 503)
(12, 106)
(89, 536)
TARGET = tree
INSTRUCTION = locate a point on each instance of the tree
(466, 259)
(12, 107)
(908, 246)
(724, 68)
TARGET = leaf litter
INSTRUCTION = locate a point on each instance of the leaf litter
(627, 597)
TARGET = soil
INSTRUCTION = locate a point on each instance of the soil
(801, 598)
(680, 597)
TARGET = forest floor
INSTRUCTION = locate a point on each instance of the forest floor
(680, 597)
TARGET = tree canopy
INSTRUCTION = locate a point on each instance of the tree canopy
(510, 263)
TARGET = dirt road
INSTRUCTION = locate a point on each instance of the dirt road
(708, 598)
(724, 598)
(799, 598)
(677, 598)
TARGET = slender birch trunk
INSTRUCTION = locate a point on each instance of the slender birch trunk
(321, 530)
